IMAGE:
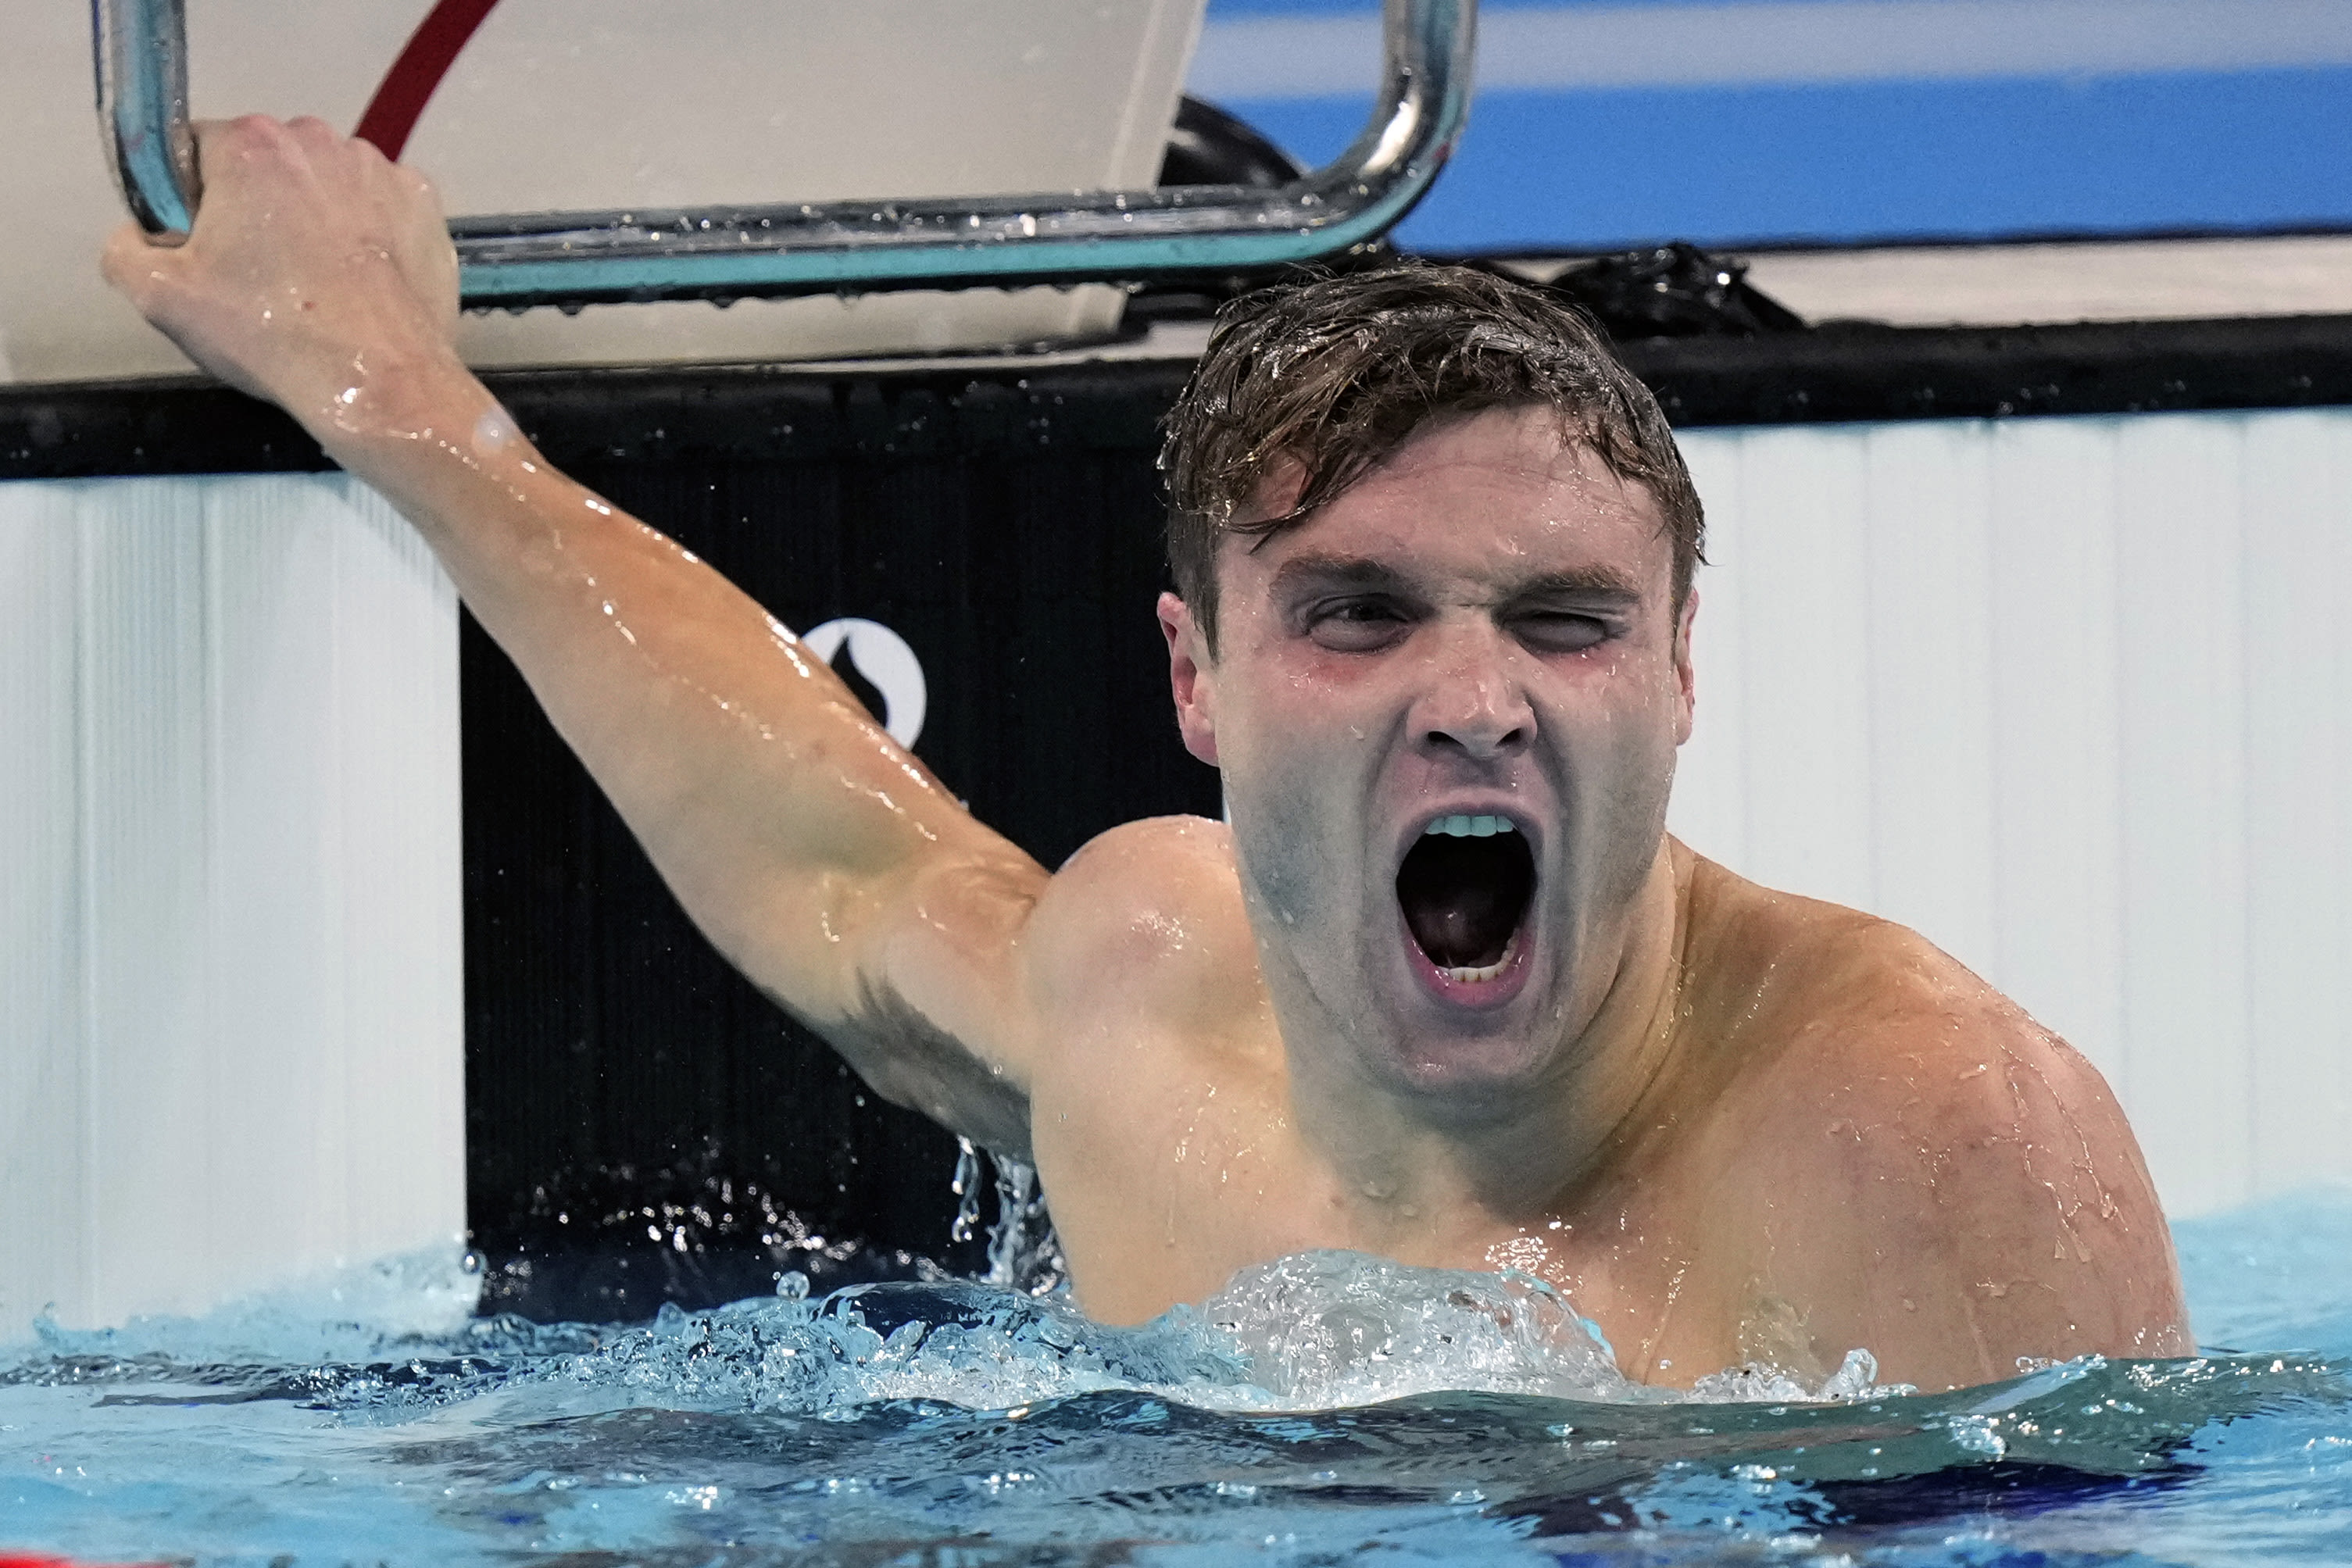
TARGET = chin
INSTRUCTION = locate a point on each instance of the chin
(1498, 1057)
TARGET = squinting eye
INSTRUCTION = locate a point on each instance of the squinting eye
(1561, 634)
(1357, 628)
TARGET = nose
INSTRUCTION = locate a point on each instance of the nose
(1473, 706)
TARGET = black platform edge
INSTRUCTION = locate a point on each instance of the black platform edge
(1745, 246)
(600, 414)
(1836, 372)
(1858, 372)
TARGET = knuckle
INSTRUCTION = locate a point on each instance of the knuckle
(138, 270)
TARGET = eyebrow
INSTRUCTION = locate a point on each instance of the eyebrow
(1603, 585)
(1598, 585)
(1319, 570)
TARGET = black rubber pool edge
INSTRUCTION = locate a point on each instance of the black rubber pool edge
(1832, 374)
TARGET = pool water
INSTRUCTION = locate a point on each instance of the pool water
(1326, 1408)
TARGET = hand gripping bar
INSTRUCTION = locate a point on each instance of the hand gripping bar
(726, 252)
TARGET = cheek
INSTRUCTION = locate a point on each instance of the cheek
(1617, 750)
(1291, 775)
(1621, 696)
(1282, 836)
(1278, 720)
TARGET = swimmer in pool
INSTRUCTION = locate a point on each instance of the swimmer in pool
(1445, 991)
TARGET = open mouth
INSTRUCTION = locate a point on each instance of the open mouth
(1464, 888)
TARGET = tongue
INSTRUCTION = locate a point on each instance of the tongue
(1460, 935)
(1463, 898)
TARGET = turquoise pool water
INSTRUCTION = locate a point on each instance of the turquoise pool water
(1325, 1409)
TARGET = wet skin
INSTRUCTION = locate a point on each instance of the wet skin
(1732, 1124)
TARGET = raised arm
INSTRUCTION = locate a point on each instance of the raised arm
(822, 860)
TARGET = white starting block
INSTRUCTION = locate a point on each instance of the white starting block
(605, 104)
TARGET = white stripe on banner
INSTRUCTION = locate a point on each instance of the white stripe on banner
(1795, 42)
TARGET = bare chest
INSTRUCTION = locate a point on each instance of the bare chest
(1191, 1181)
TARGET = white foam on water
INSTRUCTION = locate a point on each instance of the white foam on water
(1324, 1328)
(350, 1312)
(1313, 1331)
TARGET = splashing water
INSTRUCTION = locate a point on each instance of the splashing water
(1320, 1406)
(1023, 1253)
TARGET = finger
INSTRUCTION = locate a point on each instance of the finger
(420, 187)
(313, 131)
(319, 147)
(219, 142)
(135, 266)
(209, 132)
(226, 150)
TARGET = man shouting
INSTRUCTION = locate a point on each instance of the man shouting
(1444, 990)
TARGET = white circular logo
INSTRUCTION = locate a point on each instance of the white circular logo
(888, 665)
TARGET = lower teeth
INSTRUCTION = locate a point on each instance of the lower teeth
(1465, 976)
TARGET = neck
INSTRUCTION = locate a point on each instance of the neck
(1409, 1159)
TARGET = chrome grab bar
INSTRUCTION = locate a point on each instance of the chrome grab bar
(574, 258)
(141, 50)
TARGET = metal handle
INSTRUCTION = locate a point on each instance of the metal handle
(572, 258)
(141, 49)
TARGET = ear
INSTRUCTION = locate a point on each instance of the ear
(1686, 690)
(1191, 672)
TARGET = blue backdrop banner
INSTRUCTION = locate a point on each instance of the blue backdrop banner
(1601, 125)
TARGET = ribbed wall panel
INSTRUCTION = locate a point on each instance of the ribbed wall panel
(44, 1204)
(2073, 698)
(2297, 589)
(228, 756)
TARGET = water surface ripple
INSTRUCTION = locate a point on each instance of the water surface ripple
(1325, 1409)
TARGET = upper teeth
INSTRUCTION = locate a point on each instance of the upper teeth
(1470, 827)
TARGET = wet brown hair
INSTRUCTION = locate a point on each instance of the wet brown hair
(1337, 372)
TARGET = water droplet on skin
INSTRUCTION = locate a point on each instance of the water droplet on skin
(493, 432)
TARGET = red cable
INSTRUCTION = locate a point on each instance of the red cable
(408, 86)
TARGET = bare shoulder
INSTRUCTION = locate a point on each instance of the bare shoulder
(1148, 918)
(1837, 1007)
(1952, 1185)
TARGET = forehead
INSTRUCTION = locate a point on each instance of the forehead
(1492, 498)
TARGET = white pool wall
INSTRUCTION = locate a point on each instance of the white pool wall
(231, 972)
(2072, 696)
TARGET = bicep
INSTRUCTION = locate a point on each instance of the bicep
(960, 986)
(919, 981)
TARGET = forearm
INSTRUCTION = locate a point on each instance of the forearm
(762, 789)
(819, 857)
